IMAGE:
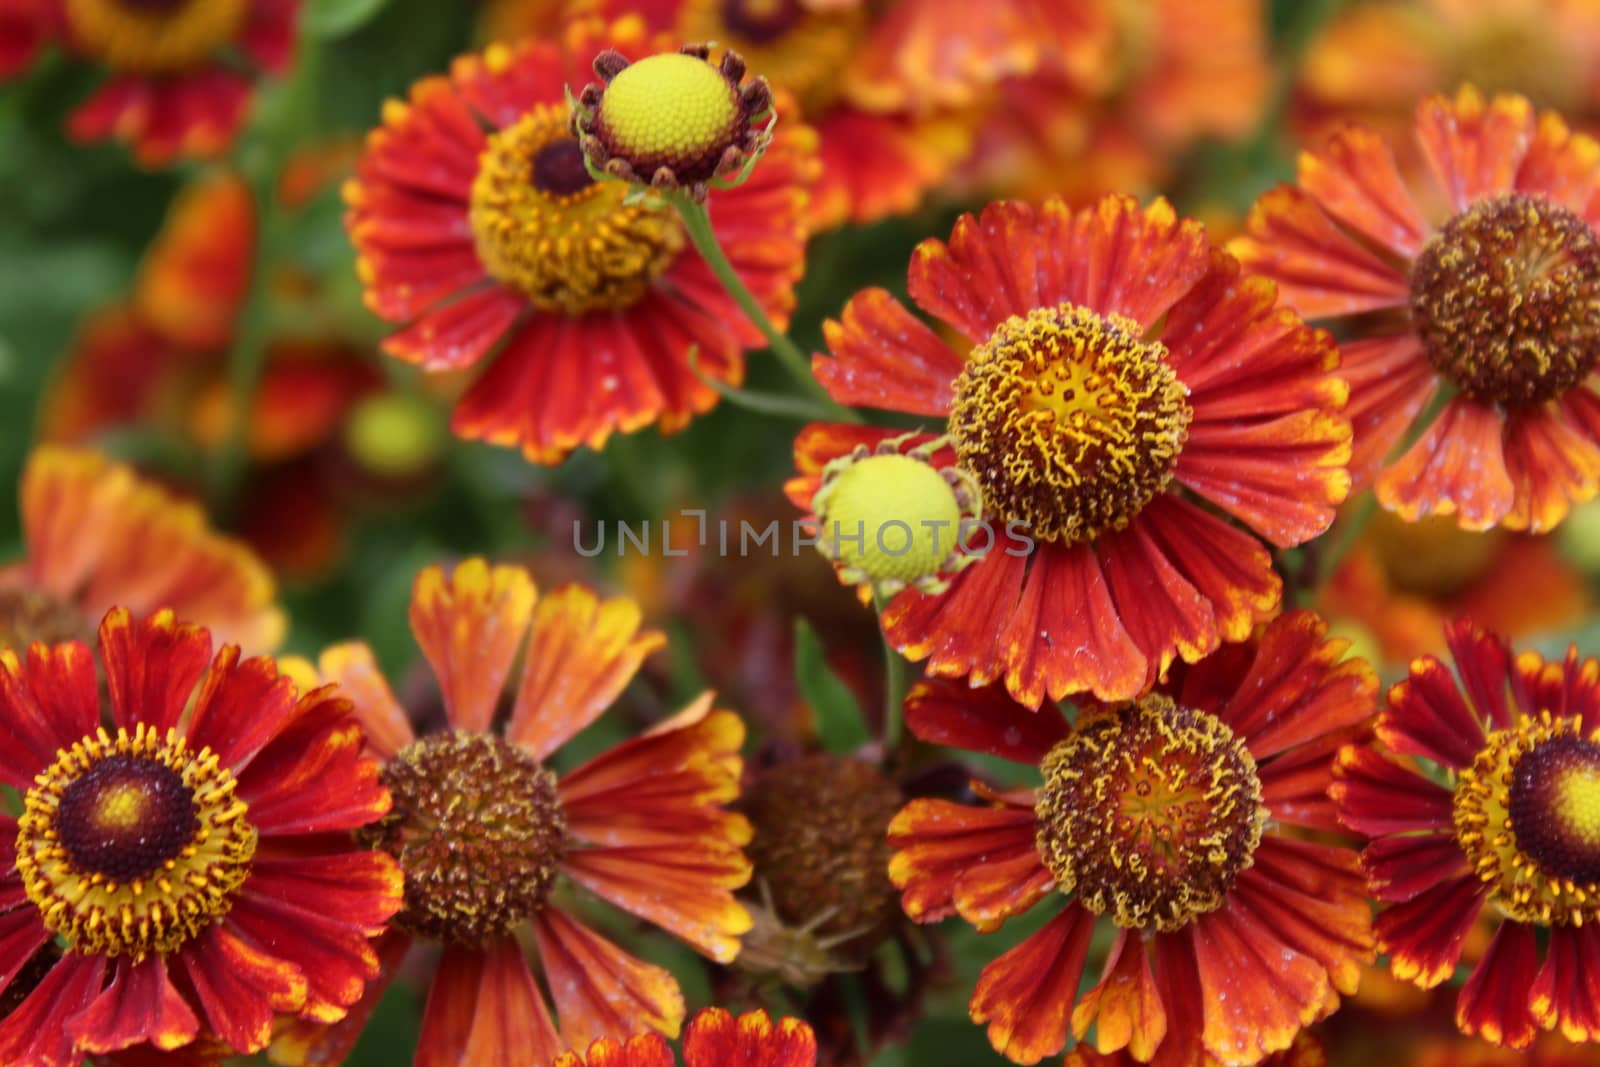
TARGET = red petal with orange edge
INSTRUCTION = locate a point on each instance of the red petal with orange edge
(1427, 717)
(315, 776)
(885, 357)
(306, 1043)
(460, 333)
(1294, 786)
(642, 1050)
(1165, 615)
(1354, 178)
(1336, 933)
(1390, 382)
(683, 888)
(984, 720)
(470, 625)
(1066, 635)
(1009, 882)
(240, 988)
(716, 1039)
(1228, 566)
(1473, 147)
(1125, 1007)
(151, 667)
(937, 842)
(241, 706)
(1405, 865)
(29, 741)
(600, 990)
(1377, 796)
(353, 669)
(1553, 465)
(1494, 1004)
(1027, 995)
(140, 1005)
(1567, 687)
(62, 681)
(1178, 982)
(955, 631)
(1320, 270)
(22, 933)
(878, 165)
(1424, 936)
(1483, 660)
(582, 652)
(1256, 992)
(1456, 467)
(35, 1033)
(510, 1023)
(1566, 994)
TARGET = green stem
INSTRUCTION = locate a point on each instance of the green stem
(697, 223)
(894, 684)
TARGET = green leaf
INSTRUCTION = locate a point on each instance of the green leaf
(839, 721)
(335, 18)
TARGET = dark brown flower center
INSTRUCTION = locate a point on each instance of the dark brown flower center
(761, 21)
(1506, 299)
(477, 828)
(558, 168)
(1555, 807)
(125, 817)
(1148, 813)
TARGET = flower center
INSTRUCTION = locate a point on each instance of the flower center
(1506, 299)
(799, 50)
(133, 844)
(28, 615)
(478, 829)
(1527, 814)
(1148, 813)
(155, 36)
(669, 110)
(1069, 421)
(543, 227)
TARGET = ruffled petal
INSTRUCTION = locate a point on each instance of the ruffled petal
(1027, 995)
(306, 1043)
(600, 990)
(1405, 865)
(1427, 716)
(1390, 381)
(1377, 796)
(460, 333)
(1355, 180)
(1424, 936)
(152, 667)
(1566, 993)
(983, 720)
(35, 1033)
(1228, 566)
(140, 1005)
(716, 1039)
(1163, 612)
(1553, 466)
(885, 357)
(1457, 467)
(1065, 635)
(1495, 1002)
(240, 707)
(470, 626)
(938, 844)
(1474, 147)
(353, 669)
(684, 889)
(955, 630)
(1560, 165)
(1125, 1008)
(240, 988)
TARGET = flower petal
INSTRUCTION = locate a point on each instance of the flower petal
(1027, 994)
(1356, 181)
(240, 988)
(885, 357)
(983, 719)
(353, 669)
(1566, 994)
(35, 1033)
(1474, 147)
(600, 990)
(1457, 467)
(1495, 1002)
(470, 626)
(716, 1039)
(140, 1005)
(1125, 1008)
(684, 889)
(938, 843)
(1424, 936)
(152, 667)
(1378, 796)
(240, 707)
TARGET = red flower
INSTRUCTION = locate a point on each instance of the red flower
(174, 858)
(1475, 299)
(1168, 816)
(181, 73)
(1484, 793)
(714, 1039)
(1112, 374)
(496, 247)
(484, 829)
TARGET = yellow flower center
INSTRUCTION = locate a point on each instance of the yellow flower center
(543, 227)
(132, 844)
(891, 517)
(477, 828)
(29, 615)
(1069, 420)
(1148, 813)
(1506, 299)
(1527, 814)
(670, 110)
(155, 36)
(802, 51)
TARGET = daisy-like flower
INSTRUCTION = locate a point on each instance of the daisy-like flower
(1476, 296)
(489, 835)
(1112, 373)
(477, 223)
(714, 1039)
(1170, 818)
(180, 71)
(193, 860)
(1484, 795)
(98, 535)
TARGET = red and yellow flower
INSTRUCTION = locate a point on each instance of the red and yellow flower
(477, 224)
(1111, 373)
(1472, 302)
(97, 535)
(714, 1039)
(1482, 796)
(193, 861)
(490, 837)
(180, 71)
(1176, 817)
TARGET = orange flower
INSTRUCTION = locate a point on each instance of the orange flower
(1113, 372)
(97, 535)
(195, 861)
(485, 831)
(455, 225)
(1172, 818)
(1478, 296)
(1483, 793)
(181, 74)
(714, 1039)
